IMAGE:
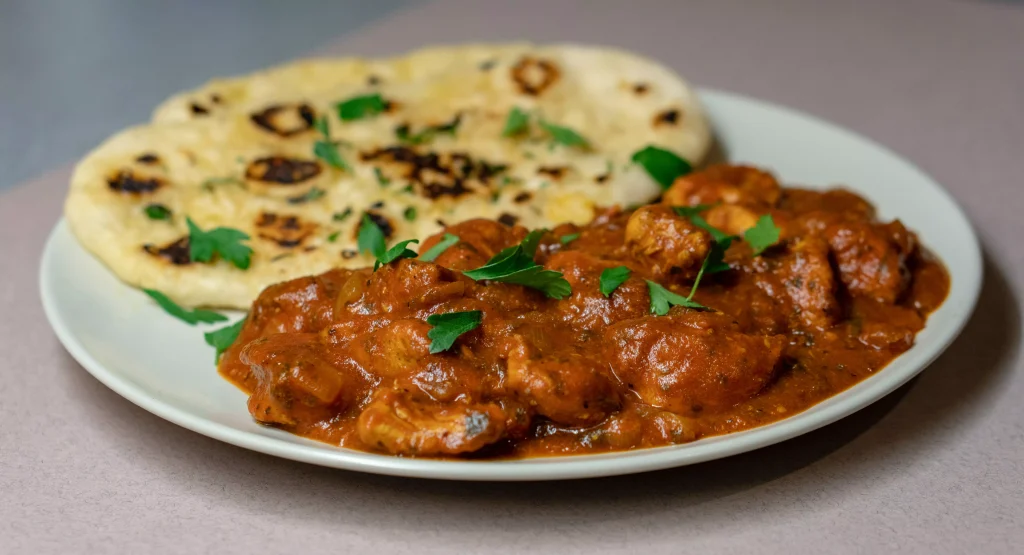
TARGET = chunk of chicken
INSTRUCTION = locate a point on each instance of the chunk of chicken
(670, 243)
(479, 240)
(807, 275)
(587, 308)
(567, 387)
(872, 258)
(726, 184)
(406, 284)
(691, 362)
(294, 383)
(732, 219)
(394, 423)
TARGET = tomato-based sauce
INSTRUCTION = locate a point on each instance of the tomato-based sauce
(345, 357)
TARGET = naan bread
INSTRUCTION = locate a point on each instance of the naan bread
(238, 153)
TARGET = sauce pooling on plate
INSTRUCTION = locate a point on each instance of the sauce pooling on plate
(733, 303)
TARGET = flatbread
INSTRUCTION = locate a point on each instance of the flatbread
(238, 153)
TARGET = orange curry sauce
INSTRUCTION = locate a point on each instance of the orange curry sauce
(344, 357)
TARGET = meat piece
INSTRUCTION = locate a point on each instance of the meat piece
(564, 386)
(732, 219)
(587, 308)
(668, 242)
(872, 258)
(395, 423)
(395, 350)
(726, 184)
(294, 382)
(479, 240)
(691, 362)
(409, 284)
(807, 276)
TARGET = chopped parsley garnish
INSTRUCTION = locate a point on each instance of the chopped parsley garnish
(223, 241)
(326, 149)
(449, 326)
(371, 241)
(432, 253)
(409, 214)
(310, 195)
(516, 265)
(516, 123)
(360, 107)
(612, 278)
(568, 238)
(428, 133)
(381, 180)
(693, 214)
(662, 299)
(564, 135)
(158, 212)
(212, 182)
(222, 338)
(333, 237)
(397, 252)
(343, 215)
(407, 189)
(763, 235)
(190, 317)
(664, 166)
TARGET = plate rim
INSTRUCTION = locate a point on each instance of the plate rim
(853, 399)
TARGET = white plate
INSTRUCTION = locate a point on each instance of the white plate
(164, 366)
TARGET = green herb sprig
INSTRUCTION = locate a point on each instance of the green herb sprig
(516, 265)
(449, 326)
(223, 241)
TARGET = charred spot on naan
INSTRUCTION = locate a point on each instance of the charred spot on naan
(287, 230)
(176, 252)
(148, 158)
(282, 170)
(641, 89)
(534, 75)
(436, 175)
(130, 182)
(668, 117)
(508, 219)
(554, 172)
(285, 120)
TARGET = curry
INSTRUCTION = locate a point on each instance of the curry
(660, 325)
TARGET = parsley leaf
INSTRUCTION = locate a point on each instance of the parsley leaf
(409, 214)
(333, 237)
(360, 107)
(190, 317)
(568, 238)
(516, 123)
(428, 133)
(381, 180)
(693, 214)
(564, 135)
(343, 215)
(612, 278)
(516, 265)
(310, 195)
(158, 212)
(327, 150)
(397, 252)
(763, 235)
(222, 338)
(432, 253)
(225, 241)
(664, 166)
(370, 239)
(448, 327)
(662, 299)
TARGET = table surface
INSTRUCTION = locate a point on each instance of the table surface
(937, 467)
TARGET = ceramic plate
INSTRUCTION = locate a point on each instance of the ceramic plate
(165, 367)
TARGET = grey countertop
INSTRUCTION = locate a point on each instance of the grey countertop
(937, 467)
